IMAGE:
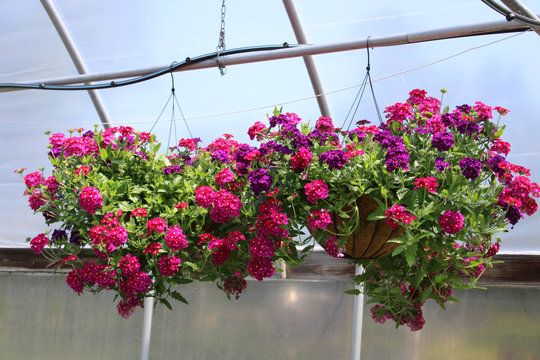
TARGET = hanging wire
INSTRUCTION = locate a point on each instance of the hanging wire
(360, 94)
(172, 123)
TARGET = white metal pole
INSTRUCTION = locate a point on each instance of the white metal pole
(308, 60)
(301, 50)
(147, 326)
(76, 58)
(358, 316)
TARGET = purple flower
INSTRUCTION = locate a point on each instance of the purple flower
(467, 127)
(58, 235)
(471, 167)
(450, 119)
(220, 156)
(440, 164)
(513, 214)
(76, 238)
(494, 163)
(334, 158)
(397, 157)
(442, 141)
(259, 181)
(465, 108)
(171, 170)
(88, 134)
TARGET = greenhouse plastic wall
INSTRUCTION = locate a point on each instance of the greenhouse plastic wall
(278, 319)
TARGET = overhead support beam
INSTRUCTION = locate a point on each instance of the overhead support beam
(519, 7)
(76, 58)
(308, 60)
(485, 28)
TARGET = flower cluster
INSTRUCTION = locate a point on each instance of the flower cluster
(429, 188)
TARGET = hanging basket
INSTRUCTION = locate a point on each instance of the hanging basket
(371, 239)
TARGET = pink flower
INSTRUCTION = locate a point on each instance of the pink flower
(188, 143)
(168, 265)
(502, 111)
(301, 159)
(106, 276)
(204, 195)
(152, 248)
(33, 179)
(74, 281)
(501, 147)
(315, 190)
(224, 177)
(38, 243)
(398, 212)
(142, 212)
(127, 307)
(226, 206)
(129, 264)
(261, 267)
(451, 221)
(428, 182)
(52, 184)
(89, 272)
(324, 124)
(332, 248)
(181, 205)
(90, 199)
(234, 285)
(175, 238)
(36, 200)
(257, 130)
(157, 224)
(84, 170)
(319, 219)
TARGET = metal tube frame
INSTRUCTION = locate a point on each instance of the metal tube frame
(76, 58)
(308, 60)
(301, 50)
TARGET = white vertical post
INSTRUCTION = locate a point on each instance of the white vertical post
(358, 314)
(147, 327)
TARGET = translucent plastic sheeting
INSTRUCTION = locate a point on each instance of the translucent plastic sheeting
(278, 319)
(43, 319)
(136, 34)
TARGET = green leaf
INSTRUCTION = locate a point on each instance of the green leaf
(352, 292)
(410, 254)
(177, 296)
(166, 303)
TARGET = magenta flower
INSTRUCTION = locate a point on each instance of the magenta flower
(257, 130)
(127, 307)
(33, 179)
(157, 224)
(398, 212)
(204, 195)
(168, 265)
(316, 190)
(301, 159)
(90, 199)
(74, 281)
(451, 221)
(428, 182)
(319, 219)
(129, 264)
(226, 206)
(324, 124)
(38, 243)
(224, 177)
(175, 238)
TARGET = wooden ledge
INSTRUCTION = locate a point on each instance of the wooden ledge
(516, 270)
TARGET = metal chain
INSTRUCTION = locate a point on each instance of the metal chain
(221, 43)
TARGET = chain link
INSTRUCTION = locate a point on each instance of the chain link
(221, 43)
